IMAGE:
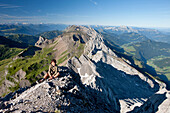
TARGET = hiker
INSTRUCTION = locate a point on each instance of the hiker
(52, 72)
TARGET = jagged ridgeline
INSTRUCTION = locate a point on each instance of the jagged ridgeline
(98, 77)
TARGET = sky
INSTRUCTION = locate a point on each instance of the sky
(139, 13)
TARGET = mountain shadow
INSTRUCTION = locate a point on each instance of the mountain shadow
(143, 66)
(124, 85)
(11, 43)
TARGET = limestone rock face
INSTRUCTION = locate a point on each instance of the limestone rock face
(63, 94)
(158, 102)
(101, 69)
(41, 41)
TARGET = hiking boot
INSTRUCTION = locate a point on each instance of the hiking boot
(41, 80)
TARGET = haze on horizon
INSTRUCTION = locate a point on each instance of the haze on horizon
(139, 13)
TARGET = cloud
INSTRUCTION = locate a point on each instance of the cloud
(6, 6)
(67, 16)
(5, 18)
(94, 2)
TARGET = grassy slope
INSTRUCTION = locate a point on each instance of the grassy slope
(151, 51)
(148, 49)
(32, 65)
(3, 64)
(7, 52)
(29, 39)
(161, 65)
(50, 34)
(134, 62)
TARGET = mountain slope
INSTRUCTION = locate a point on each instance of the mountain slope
(64, 94)
(152, 34)
(11, 43)
(32, 63)
(149, 49)
(132, 37)
(99, 78)
(28, 39)
(6, 30)
(50, 34)
(101, 69)
(7, 52)
(124, 38)
(10, 48)
(29, 29)
(155, 54)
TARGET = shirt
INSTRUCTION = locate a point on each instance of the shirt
(53, 70)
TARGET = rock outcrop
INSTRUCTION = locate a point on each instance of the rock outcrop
(41, 42)
(158, 102)
(63, 94)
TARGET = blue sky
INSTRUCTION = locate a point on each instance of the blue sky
(141, 13)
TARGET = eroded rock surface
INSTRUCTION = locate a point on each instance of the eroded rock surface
(63, 94)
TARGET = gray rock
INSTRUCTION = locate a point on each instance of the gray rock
(101, 69)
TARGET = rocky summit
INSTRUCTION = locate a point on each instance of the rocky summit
(98, 80)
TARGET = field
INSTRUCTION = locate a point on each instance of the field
(161, 65)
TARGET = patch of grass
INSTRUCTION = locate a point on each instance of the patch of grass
(10, 78)
(161, 65)
(2, 79)
(7, 52)
(7, 30)
(32, 65)
(62, 59)
(57, 111)
(14, 88)
(3, 63)
(64, 52)
(162, 62)
(138, 63)
(4, 94)
(130, 49)
(80, 50)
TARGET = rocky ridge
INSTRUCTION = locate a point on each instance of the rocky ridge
(97, 81)
(63, 94)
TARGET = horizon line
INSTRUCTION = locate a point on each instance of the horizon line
(25, 23)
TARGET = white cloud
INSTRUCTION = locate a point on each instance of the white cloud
(5, 18)
(8, 6)
(94, 2)
(67, 16)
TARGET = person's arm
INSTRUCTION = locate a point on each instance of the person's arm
(49, 71)
(56, 72)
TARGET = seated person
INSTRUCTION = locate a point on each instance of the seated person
(52, 72)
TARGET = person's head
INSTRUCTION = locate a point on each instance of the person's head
(53, 62)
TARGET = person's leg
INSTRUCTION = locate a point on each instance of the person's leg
(46, 76)
(50, 78)
(57, 75)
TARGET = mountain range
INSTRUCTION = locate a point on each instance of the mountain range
(152, 34)
(28, 29)
(98, 73)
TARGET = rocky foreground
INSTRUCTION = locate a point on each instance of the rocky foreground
(98, 81)
(63, 94)
(67, 94)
